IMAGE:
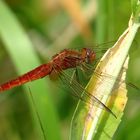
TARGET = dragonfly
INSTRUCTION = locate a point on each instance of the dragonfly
(66, 59)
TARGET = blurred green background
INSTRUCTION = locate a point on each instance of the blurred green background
(31, 32)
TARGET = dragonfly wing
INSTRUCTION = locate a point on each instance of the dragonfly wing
(104, 77)
(82, 94)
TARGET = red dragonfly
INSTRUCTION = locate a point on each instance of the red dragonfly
(66, 59)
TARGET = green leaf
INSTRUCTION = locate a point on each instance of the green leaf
(91, 122)
(22, 54)
(136, 10)
(134, 6)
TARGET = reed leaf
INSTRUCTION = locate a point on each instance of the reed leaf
(91, 122)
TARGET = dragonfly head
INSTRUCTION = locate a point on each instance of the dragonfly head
(89, 55)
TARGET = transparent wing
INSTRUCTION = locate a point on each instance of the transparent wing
(79, 92)
(105, 77)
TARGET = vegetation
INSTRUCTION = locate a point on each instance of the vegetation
(31, 32)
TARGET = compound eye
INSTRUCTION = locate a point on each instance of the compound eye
(90, 56)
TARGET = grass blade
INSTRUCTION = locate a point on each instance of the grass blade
(24, 58)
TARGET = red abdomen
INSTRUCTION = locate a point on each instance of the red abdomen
(36, 73)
